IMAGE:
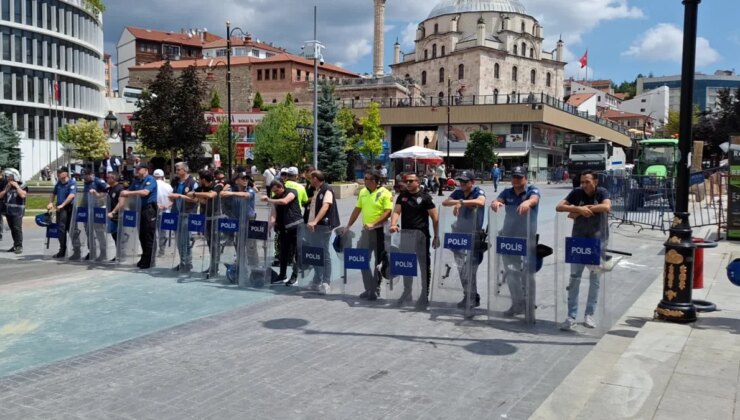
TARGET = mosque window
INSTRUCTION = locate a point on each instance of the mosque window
(531, 53)
(426, 54)
(514, 74)
(496, 71)
(436, 28)
(533, 77)
(548, 80)
(524, 27)
(442, 75)
(524, 49)
(442, 53)
(516, 50)
(434, 50)
(423, 78)
(461, 71)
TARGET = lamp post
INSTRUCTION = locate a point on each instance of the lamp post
(229, 32)
(678, 269)
(312, 50)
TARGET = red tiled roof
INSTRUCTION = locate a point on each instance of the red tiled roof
(172, 37)
(242, 61)
(621, 96)
(241, 42)
(612, 114)
(577, 99)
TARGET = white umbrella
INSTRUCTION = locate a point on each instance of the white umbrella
(416, 152)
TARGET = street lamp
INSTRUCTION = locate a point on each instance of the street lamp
(449, 127)
(312, 50)
(115, 128)
(229, 33)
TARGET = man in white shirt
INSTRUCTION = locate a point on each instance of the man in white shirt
(269, 175)
(163, 204)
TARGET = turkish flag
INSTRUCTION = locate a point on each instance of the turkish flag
(57, 95)
(584, 59)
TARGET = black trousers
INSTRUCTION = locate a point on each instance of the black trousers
(15, 223)
(147, 227)
(64, 220)
(374, 240)
(288, 245)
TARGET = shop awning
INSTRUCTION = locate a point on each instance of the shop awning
(511, 153)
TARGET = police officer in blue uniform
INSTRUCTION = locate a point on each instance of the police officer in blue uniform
(523, 197)
(145, 187)
(62, 197)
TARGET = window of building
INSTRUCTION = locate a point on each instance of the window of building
(524, 49)
(524, 27)
(548, 80)
(434, 50)
(29, 48)
(274, 74)
(533, 77)
(514, 74)
(170, 51)
(423, 78)
(643, 100)
(30, 85)
(531, 53)
(39, 13)
(298, 75)
(6, 9)
(442, 53)
(436, 28)
(442, 75)
(496, 69)
(642, 109)
(255, 53)
(259, 74)
(29, 12)
(516, 50)
(18, 46)
(267, 74)
(461, 71)
(17, 12)
(426, 54)
(282, 73)
(6, 43)
(19, 87)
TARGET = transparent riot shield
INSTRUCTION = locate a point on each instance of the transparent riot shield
(179, 256)
(318, 263)
(582, 269)
(228, 243)
(200, 234)
(457, 260)
(256, 257)
(409, 269)
(512, 263)
(78, 229)
(128, 248)
(166, 255)
(358, 260)
(97, 237)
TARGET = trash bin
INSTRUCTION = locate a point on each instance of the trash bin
(698, 264)
(733, 271)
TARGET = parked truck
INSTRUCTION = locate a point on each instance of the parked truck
(598, 156)
(653, 177)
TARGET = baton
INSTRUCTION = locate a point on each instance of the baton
(614, 251)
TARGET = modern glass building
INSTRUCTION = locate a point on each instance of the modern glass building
(52, 72)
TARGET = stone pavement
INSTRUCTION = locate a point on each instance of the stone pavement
(646, 369)
(91, 343)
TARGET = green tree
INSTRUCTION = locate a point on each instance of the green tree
(10, 152)
(190, 127)
(215, 100)
(331, 157)
(350, 127)
(258, 102)
(220, 141)
(480, 150)
(157, 112)
(372, 133)
(673, 125)
(87, 140)
(277, 138)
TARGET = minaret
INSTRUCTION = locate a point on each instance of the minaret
(396, 52)
(378, 70)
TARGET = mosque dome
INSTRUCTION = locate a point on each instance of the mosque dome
(449, 7)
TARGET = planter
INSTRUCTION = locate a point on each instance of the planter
(345, 190)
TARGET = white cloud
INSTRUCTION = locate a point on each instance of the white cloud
(408, 36)
(357, 49)
(664, 42)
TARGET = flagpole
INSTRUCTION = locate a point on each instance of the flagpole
(51, 121)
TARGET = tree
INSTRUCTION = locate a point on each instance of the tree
(87, 140)
(215, 100)
(331, 157)
(350, 127)
(372, 133)
(220, 141)
(258, 102)
(480, 153)
(673, 125)
(190, 127)
(276, 137)
(10, 152)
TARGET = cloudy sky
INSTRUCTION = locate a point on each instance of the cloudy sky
(623, 37)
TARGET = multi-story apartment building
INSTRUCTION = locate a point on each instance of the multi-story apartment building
(51, 71)
(241, 47)
(138, 46)
(706, 88)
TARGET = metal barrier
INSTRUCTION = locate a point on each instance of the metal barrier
(648, 201)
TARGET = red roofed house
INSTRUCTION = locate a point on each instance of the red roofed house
(584, 102)
(241, 47)
(635, 123)
(138, 46)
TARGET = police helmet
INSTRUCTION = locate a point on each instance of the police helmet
(43, 219)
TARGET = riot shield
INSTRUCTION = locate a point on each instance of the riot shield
(455, 280)
(409, 269)
(582, 270)
(78, 229)
(178, 256)
(358, 259)
(166, 255)
(318, 264)
(51, 238)
(97, 238)
(256, 256)
(128, 248)
(512, 264)
(200, 234)
(228, 243)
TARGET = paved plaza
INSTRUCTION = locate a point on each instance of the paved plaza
(93, 343)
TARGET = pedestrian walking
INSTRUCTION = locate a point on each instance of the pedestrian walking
(13, 197)
(269, 175)
(61, 199)
(375, 204)
(414, 208)
(495, 176)
(322, 212)
(525, 198)
(144, 186)
(441, 174)
(586, 205)
(286, 216)
(467, 202)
